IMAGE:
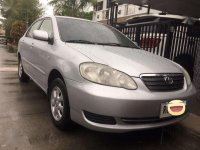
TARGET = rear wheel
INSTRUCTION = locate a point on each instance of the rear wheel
(60, 110)
(23, 77)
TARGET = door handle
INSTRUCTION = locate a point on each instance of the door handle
(32, 45)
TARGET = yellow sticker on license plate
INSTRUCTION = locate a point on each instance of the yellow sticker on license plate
(176, 107)
(172, 108)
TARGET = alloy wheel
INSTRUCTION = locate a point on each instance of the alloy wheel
(57, 103)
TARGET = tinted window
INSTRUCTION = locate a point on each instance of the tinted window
(35, 26)
(81, 30)
(47, 26)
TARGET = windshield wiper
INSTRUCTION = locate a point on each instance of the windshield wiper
(111, 44)
(115, 44)
(80, 41)
(89, 42)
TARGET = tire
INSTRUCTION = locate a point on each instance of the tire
(23, 77)
(59, 104)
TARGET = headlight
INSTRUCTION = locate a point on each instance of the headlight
(186, 74)
(106, 75)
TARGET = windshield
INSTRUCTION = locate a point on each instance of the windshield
(81, 31)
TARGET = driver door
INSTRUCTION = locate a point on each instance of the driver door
(44, 50)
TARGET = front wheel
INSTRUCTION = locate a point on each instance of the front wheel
(23, 77)
(60, 110)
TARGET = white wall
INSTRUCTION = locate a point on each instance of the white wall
(125, 9)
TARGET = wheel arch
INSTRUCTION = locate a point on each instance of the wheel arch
(54, 73)
(18, 55)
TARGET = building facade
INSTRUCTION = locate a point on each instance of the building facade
(102, 11)
(2, 31)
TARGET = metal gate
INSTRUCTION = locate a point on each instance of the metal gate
(172, 40)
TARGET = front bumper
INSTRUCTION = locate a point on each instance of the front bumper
(121, 103)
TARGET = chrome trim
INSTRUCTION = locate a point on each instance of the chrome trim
(159, 74)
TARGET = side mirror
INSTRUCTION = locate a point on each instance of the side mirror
(40, 35)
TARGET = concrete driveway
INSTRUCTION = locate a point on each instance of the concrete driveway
(25, 123)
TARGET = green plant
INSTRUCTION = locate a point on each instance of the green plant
(19, 10)
(17, 30)
(73, 8)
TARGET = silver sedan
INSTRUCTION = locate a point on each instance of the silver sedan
(95, 76)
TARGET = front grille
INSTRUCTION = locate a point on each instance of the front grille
(163, 82)
(99, 118)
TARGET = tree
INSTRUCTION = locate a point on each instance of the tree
(19, 10)
(87, 15)
(17, 30)
(74, 8)
(8, 8)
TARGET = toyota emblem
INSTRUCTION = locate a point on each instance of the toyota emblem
(168, 80)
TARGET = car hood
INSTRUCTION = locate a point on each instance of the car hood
(131, 61)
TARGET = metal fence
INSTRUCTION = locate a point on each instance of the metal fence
(172, 40)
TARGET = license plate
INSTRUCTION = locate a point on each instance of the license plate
(164, 110)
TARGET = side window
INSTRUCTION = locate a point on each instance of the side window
(47, 26)
(35, 26)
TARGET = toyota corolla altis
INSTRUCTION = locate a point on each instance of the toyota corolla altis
(97, 77)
